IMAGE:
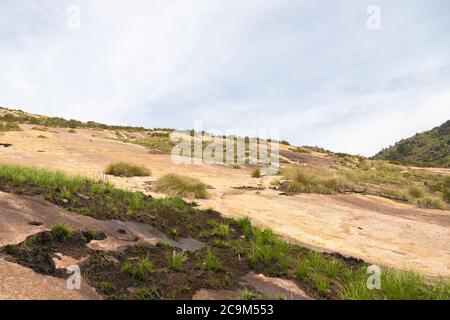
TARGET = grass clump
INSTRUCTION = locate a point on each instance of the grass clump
(315, 180)
(256, 173)
(415, 192)
(143, 269)
(395, 285)
(181, 186)
(106, 287)
(164, 245)
(61, 232)
(221, 230)
(11, 249)
(266, 248)
(8, 126)
(148, 293)
(122, 169)
(247, 294)
(211, 263)
(176, 260)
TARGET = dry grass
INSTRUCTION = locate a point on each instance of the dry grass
(182, 186)
(122, 169)
(315, 180)
(372, 177)
(256, 173)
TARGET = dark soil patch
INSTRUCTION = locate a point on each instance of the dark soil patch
(37, 251)
(106, 270)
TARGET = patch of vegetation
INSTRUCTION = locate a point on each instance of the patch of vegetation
(176, 260)
(256, 173)
(371, 177)
(247, 294)
(430, 149)
(315, 180)
(7, 126)
(160, 143)
(266, 249)
(164, 245)
(143, 269)
(395, 285)
(61, 232)
(181, 186)
(106, 287)
(42, 136)
(221, 230)
(123, 169)
(211, 263)
(300, 150)
(148, 293)
(18, 116)
(72, 131)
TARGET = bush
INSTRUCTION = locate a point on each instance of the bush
(181, 186)
(61, 232)
(122, 169)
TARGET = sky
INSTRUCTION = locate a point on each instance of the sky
(311, 70)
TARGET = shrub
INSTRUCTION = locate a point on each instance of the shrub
(61, 232)
(181, 186)
(122, 169)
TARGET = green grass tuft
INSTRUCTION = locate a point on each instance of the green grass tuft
(176, 260)
(61, 232)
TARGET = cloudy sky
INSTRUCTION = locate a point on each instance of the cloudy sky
(311, 69)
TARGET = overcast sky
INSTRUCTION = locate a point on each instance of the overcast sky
(311, 69)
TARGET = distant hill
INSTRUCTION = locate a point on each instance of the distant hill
(430, 148)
